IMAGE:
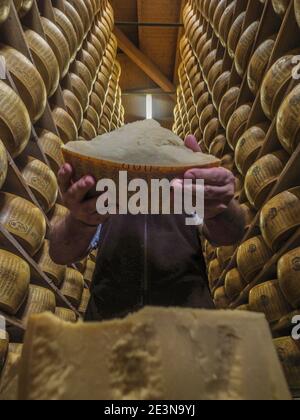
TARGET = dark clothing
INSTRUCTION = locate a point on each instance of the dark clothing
(148, 260)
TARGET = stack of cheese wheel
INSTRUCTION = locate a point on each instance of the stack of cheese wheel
(39, 300)
(42, 180)
(289, 354)
(214, 274)
(24, 221)
(234, 284)
(263, 175)
(252, 256)
(15, 125)
(4, 10)
(221, 300)
(28, 81)
(89, 271)
(14, 282)
(86, 295)
(288, 121)
(280, 218)
(275, 84)
(268, 299)
(65, 315)
(55, 272)
(248, 147)
(73, 286)
(44, 59)
(4, 344)
(288, 276)
(51, 145)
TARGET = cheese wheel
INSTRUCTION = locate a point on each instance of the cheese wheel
(237, 124)
(39, 300)
(14, 282)
(59, 45)
(86, 295)
(4, 10)
(234, 284)
(87, 130)
(83, 72)
(214, 274)
(211, 131)
(280, 6)
(225, 22)
(224, 255)
(51, 145)
(258, 64)
(219, 10)
(267, 298)
(3, 164)
(58, 212)
(221, 301)
(83, 13)
(26, 6)
(289, 354)
(65, 124)
(44, 59)
(288, 276)
(89, 61)
(297, 11)
(80, 90)
(4, 343)
(262, 176)
(220, 88)
(244, 48)
(68, 30)
(74, 18)
(73, 106)
(280, 218)
(248, 147)
(28, 81)
(93, 117)
(54, 271)
(275, 84)
(251, 257)
(288, 121)
(23, 220)
(218, 146)
(42, 180)
(249, 213)
(72, 287)
(227, 105)
(65, 315)
(235, 34)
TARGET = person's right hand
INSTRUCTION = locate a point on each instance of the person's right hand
(73, 195)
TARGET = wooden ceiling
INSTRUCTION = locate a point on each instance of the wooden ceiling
(148, 55)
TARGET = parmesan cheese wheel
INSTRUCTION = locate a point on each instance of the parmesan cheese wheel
(227, 105)
(258, 64)
(244, 48)
(80, 90)
(224, 255)
(237, 124)
(54, 271)
(262, 176)
(87, 130)
(58, 212)
(86, 295)
(25, 7)
(234, 284)
(89, 271)
(225, 22)
(220, 299)
(289, 354)
(267, 298)
(65, 124)
(275, 84)
(280, 218)
(14, 282)
(235, 34)
(288, 121)
(297, 11)
(83, 72)
(288, 275)
(218, 146)
(15, 125)
(251, 257)
(39, 300)
(93, 117)
(3, 164)
(44, 59)
(68, 30)
(73, 286)
(214, 274)
(280, 6)
(65, 315)
(42, 180)
(23, 220)
(73, 106)
(51, 145)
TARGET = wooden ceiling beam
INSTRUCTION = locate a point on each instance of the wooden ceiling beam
(144, 62)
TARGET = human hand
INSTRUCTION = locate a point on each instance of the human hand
(73, 195)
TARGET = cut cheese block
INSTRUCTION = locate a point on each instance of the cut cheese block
(142, 148)
(156, 354)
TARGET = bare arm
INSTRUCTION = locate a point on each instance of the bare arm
(70, 237)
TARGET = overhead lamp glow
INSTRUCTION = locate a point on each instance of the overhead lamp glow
(149, 107)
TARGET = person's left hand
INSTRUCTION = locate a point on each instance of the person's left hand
(219, 189)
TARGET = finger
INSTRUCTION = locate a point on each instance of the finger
(212, 176)
(78, 191)
(221, 194)
(191, 143)
(64, 177)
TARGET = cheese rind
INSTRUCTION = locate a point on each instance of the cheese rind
(156, 354)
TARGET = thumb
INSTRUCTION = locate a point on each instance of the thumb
(192, 144)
